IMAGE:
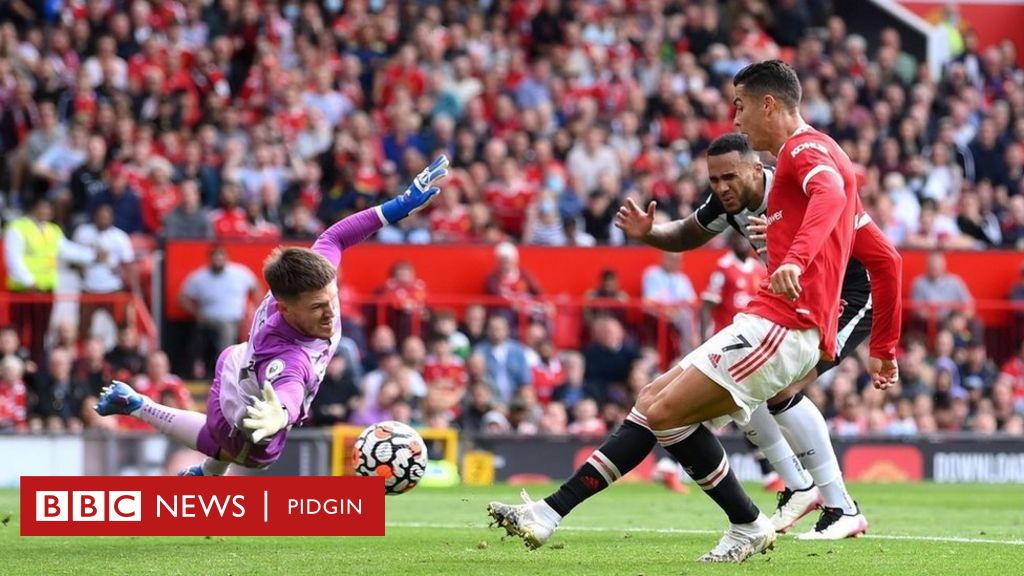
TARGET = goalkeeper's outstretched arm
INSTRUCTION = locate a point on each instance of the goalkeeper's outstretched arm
(357, 227)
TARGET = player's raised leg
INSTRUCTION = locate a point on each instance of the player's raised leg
(623, 450)
(184, 426)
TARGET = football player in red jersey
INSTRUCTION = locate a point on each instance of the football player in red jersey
(811, 226)
(731, 286)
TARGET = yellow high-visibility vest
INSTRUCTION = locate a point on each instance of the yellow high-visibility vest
(41, 247)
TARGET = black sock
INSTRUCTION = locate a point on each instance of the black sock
(624, 450)
(704, 459)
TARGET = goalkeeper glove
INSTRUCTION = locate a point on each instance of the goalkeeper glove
(418, 194)
(266, 416)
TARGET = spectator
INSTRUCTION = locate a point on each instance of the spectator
(508, 365)
(446, 326)
(669, 294)
(608, 360)
(589, 159)
(160, 385)
(217, 296)
(516, 288)
(548, 372)
(474, 324)
(33, 244)
(938, 288)
(13, 409)
(115, 264)
(58, 401)
(445, 373)
(126, 358)
(53, 169)
(586, 422)
(610, 291)
(189, 219)
(123, 198)
(92, 370)
(480, 403)
(404, 297)
(87, 180)
(337, 396)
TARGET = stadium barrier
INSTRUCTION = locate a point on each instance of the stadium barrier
(943, 458)
(19, 309)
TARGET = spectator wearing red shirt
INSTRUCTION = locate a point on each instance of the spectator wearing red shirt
(230, 220)
(509, 195)
(449, 220)
(404, 296)
(516, 288)
(160, 197)
(445, 374)
(13, 409)
(159, 385)
(548, 373)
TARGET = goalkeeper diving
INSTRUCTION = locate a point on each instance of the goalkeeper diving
(263, 387)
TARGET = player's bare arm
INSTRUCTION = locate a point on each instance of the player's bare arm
(676, 236)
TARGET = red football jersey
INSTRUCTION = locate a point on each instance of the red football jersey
(811, 216)
(508, 204)
(451, 369)
(732, 286)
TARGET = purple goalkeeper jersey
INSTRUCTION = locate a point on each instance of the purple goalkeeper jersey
(292, 362)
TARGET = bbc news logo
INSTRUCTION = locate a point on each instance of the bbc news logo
(89, 506)
(229, 506)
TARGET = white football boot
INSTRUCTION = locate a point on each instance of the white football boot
(834, 524)
(741, 541)
(534, 522)
(794, 505)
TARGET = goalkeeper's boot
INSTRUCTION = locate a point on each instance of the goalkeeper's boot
(834, 524)
(794, 505)
(741, 541)
(118, 398)
(196, 470)
(534, 522)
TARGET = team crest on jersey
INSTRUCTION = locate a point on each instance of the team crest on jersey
(808, 146)
(273, 370)
(715, 359)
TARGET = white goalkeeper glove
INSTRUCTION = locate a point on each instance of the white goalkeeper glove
(266, 415)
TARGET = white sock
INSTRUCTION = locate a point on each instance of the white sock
(548, 512)
(213, 467)
(181, 425)
(806, 430)
(764, 432)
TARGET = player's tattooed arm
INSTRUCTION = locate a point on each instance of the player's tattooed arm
(675, 236)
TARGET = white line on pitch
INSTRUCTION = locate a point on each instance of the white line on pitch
(955, 539)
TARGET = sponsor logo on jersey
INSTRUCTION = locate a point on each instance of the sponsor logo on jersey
(808, 146)
(773, 218)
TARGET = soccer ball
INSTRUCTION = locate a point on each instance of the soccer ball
(392, 450)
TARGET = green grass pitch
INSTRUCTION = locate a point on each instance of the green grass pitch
(916, 530)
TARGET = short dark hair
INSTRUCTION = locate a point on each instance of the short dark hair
(773, 77)
(731, 142)
(292, 271)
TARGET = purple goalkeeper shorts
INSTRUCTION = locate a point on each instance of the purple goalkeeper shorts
(218, 434)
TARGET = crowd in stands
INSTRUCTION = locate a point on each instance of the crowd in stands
(238, 119)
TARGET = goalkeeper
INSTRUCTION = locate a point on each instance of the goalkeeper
(263, 387)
